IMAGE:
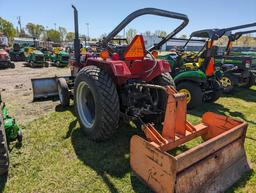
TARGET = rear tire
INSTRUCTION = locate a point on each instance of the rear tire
(194, 92)
(46, 64)
(63, 91)
(228, 82)
(4, 152)
(165, 79)
(96, 103)
(252, 81)
(12, 65)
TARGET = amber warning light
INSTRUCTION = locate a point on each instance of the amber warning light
(136, 50)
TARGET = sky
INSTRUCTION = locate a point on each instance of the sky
(103, 16)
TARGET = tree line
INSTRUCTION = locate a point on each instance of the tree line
(36, 31)
(59, 35)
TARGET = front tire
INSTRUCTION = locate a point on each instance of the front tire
(63, 91)
(194, 94)
(96, 103)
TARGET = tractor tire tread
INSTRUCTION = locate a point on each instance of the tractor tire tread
(109, 102)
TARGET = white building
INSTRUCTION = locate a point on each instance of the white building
(173, 43)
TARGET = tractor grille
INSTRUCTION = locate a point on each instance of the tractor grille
(65, 58)
(39, 58)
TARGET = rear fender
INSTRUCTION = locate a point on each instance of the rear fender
(162, 66)
(117, 69)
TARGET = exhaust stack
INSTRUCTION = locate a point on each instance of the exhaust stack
(76, 40)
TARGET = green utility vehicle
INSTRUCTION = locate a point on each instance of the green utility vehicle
(243, 67)
(194, 74)
(9, 132)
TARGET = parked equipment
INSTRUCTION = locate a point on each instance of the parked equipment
(194, 73)
(129, 81)
(35, 57)
(59, 57)
(239, 70)
(9, 131)
(5, 61)
(17, 53)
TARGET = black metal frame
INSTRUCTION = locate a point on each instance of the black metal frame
(149, 11)
(237, 35)
(126, 21)
(215, 34)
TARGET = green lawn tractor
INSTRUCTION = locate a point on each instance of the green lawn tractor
(243, 67)
(17, 53)
(9, 132)
(47, 54)
(194, 73)
(35, 58)
(59, 58)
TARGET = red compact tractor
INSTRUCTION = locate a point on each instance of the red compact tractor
(128, 81)
(5, 61)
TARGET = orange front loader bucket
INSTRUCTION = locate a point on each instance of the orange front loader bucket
(210, 167)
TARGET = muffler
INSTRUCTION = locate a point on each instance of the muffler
(211, 167)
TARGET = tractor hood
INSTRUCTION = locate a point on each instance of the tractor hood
(3, 52)
(63, 53)
(190, 75)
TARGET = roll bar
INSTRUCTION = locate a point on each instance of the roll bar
(237, 35)
(149, 11)
(215, 34)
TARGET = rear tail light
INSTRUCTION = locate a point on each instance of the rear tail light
(115, 56)
(247, 63)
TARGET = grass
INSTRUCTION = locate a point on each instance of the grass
(56, 157)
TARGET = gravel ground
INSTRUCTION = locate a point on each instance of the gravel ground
(16, 90)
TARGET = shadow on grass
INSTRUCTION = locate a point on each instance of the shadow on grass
(53, 98)
(108, 158)
(3, 180)
(242, 182)
(247, 94)
(219, 109)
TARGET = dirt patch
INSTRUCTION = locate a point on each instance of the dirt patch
(16, 90)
